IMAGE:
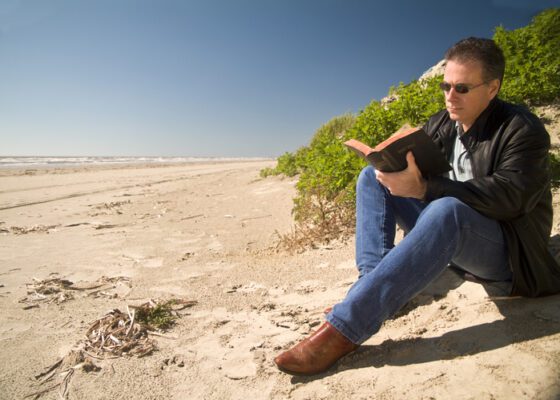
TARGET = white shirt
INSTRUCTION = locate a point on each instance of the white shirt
(460, 159)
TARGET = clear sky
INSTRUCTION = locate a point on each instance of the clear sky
(214, 77)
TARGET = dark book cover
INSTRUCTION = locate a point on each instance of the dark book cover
(390, 155)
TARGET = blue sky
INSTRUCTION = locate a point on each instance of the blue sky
(214, 77)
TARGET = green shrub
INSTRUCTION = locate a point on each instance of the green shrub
(266, 172)
(324, 202)
(555, 169)
(326, 164)
(533, 60)
(286, 165)
(324, 205)
(413, 104)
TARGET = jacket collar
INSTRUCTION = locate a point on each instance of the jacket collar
(478, 131)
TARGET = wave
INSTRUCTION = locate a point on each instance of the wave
(27, 161)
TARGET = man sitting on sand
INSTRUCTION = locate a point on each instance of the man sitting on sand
(491, 216)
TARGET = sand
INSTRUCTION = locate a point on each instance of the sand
(206, 232)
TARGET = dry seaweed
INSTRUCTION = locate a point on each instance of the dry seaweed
(63, 369)
(114, 335)
(117, 334)
(51, 290)
(22, 230)
(114, 207)
(57, 290)
(111, 205)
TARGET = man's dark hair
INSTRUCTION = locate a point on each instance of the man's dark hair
(485, 51)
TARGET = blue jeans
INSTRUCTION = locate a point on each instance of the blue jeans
(438, 234)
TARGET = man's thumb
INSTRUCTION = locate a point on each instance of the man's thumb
(410, 160)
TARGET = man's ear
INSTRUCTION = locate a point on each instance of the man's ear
(494, 87)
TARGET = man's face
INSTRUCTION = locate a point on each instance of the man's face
(466, 107)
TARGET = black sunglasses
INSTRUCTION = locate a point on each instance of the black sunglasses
(461, 88)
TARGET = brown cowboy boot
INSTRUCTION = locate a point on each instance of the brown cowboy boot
(317, 353)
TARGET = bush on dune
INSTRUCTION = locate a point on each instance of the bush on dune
(533, 54)
(324, 204)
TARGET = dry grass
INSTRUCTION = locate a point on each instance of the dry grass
(319, 222)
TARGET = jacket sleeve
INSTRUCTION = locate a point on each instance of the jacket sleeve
(519, 173)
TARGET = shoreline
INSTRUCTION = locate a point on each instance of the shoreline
(6, 170)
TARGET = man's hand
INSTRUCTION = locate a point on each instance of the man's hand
(406, 183)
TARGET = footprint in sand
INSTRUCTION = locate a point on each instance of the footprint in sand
(235, 342)
(142, 261)
(267, 188)
(151, 262)
(348, 264)
(12, 329)
(215, 245)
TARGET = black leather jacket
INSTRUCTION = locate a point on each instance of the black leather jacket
(509, 151)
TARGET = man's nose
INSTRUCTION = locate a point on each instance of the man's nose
(451, 93)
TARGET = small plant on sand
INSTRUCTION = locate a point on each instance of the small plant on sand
(157, 316)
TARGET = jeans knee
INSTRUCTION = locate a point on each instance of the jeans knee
(367, 178)
(447, 210)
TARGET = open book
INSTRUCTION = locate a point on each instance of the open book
(390, 155)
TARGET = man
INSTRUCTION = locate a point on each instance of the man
(491, 216)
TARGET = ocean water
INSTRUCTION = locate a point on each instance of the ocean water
(31, 162)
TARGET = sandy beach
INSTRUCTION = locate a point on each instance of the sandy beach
(206, 233)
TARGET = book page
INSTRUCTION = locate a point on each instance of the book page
(359, 146)
(394, 138)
